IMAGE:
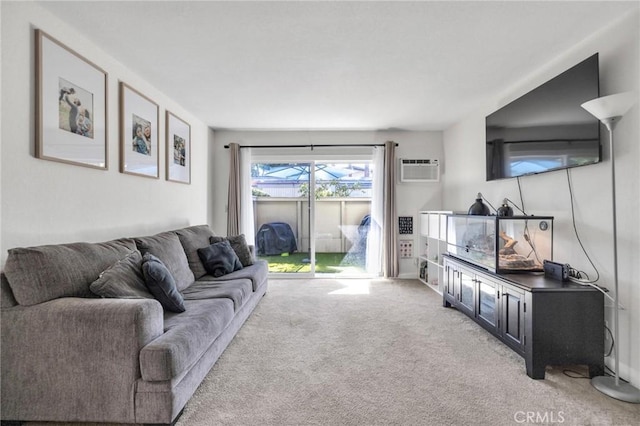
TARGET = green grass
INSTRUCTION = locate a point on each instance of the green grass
(328, 263)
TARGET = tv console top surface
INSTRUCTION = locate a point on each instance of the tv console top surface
(531, 281)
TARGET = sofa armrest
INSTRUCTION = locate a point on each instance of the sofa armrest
(85, 349)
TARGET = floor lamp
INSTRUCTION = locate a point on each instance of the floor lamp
(609, 110)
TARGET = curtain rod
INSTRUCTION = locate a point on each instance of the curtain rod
(308, 146)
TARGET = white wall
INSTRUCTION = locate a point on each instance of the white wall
(49, 202)
(411, 197)
(544, 194)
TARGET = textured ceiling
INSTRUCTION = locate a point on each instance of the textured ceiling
(335, 65)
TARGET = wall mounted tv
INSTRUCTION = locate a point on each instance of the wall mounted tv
(546, 129)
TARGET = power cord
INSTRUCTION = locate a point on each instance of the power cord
(520, 191)
(575, 229)
(487, 201)
(574, 374)
(610, 372)
(576, 276)
(574, 273)
(591, 284)
(610, 351)
(516, 206)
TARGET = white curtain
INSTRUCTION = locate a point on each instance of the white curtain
(247, 226)
(374, 237)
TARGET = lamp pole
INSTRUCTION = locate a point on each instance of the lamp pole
(610, 123)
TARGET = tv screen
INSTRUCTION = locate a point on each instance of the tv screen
(546, 129)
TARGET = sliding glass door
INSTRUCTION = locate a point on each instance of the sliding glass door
(312, 218)
(283, 216)
(342, 214)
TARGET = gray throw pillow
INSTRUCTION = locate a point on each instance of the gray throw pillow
(166, 246)
(239, 245)
(123, 279)
(192, 238)
(219, 259)
(161, 283)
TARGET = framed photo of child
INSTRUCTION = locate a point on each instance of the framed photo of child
(71, 99)
(139, 117)
(178, 149)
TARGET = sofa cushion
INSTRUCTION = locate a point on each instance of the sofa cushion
(39, 274)
(161, 283)
(6, 295)
(219, 259)
(239, 245)
(166, 247)
(193, 238)
(237, 290)
(257, 273)
(123, 279)
(186, 337)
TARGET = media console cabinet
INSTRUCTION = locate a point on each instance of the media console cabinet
(547, 322)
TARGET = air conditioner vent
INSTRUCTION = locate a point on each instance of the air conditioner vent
(419, 170)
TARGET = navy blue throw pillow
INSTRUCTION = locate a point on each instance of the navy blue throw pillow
(161, 283)
(219, 259)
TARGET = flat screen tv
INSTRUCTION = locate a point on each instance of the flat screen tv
(546, 129)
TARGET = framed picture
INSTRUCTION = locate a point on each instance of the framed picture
(139, 145)
(71, 106)
(178, 150)
(405, 224)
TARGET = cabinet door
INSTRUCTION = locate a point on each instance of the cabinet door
(487, 309)
(450, 283)
(512, 317)
(467, 291)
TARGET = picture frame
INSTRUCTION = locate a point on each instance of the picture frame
(71, 106)
(178, 149)
(139, 147)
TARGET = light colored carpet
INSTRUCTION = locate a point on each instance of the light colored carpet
(382, 352)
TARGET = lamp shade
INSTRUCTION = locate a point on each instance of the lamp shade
(611, 106)
(505, 209)
(479, 208)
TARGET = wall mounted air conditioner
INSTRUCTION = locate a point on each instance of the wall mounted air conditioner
(419, 170)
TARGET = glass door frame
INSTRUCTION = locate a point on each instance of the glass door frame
(310, 202)
(312, 160)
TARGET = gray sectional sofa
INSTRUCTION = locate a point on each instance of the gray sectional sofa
(69, 355)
